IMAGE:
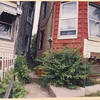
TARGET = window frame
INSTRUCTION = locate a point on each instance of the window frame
(94, 38)
(68, 36)
(26, 36)
(12, 31)
(43, 11)
(31, 16)
(41, 41)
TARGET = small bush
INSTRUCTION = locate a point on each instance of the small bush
(21, 66)
(18, 89)
(65, 68)
(36, 62)
(33, 45)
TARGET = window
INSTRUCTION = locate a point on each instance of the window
(68, 20)
(26, 39)
(5, 25)
(30, 15)
(94, 21)
(44, 9)
(41, 40)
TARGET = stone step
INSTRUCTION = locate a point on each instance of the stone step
(33, 76)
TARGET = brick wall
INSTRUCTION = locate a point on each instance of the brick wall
(46, 24)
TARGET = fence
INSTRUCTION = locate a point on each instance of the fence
(6, 63)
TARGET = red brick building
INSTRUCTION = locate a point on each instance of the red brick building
(78, 21)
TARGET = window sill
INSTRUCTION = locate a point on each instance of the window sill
(67, 37)
(43, 18)
(5, 39)
(40, 49)
(94, 38)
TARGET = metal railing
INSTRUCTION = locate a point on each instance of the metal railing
(10, 88)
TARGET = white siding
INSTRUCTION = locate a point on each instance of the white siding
(90, 46)
(6, 46)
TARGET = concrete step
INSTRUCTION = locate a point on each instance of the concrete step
(65, 92)
(33, 76)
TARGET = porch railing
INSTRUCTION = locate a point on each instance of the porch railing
(6, 63)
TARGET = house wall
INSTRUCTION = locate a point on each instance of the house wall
(45, 24)
(82, 31)
(23, 28)
(91, 46)
(7, 46)
(87, 44)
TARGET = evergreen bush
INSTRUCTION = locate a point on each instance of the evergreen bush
(65, 67)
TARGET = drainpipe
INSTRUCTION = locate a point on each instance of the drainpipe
(50, 38)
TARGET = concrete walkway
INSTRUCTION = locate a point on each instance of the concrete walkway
(35, 91)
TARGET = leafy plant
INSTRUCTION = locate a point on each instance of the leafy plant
(21, 66)
(36, 62)
(65, 67)
(33, 45)
(18, 89)
(93, 94)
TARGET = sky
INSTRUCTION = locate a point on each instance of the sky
(36, 17)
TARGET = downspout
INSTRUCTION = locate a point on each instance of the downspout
(50, 39)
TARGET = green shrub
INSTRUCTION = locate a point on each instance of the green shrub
(33, 45)
(36, 62)
(21, 66)
(65, 67)
(20, 61)
(18, 89)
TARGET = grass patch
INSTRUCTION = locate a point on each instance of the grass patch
(93, 94)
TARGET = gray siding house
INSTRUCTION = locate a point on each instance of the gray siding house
(24, 28)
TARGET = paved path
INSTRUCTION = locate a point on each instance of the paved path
(35, 91)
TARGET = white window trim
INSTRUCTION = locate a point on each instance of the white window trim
(67, 36)
(91, 37)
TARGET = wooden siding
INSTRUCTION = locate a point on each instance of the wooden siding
(82, 26)
(6, 46)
